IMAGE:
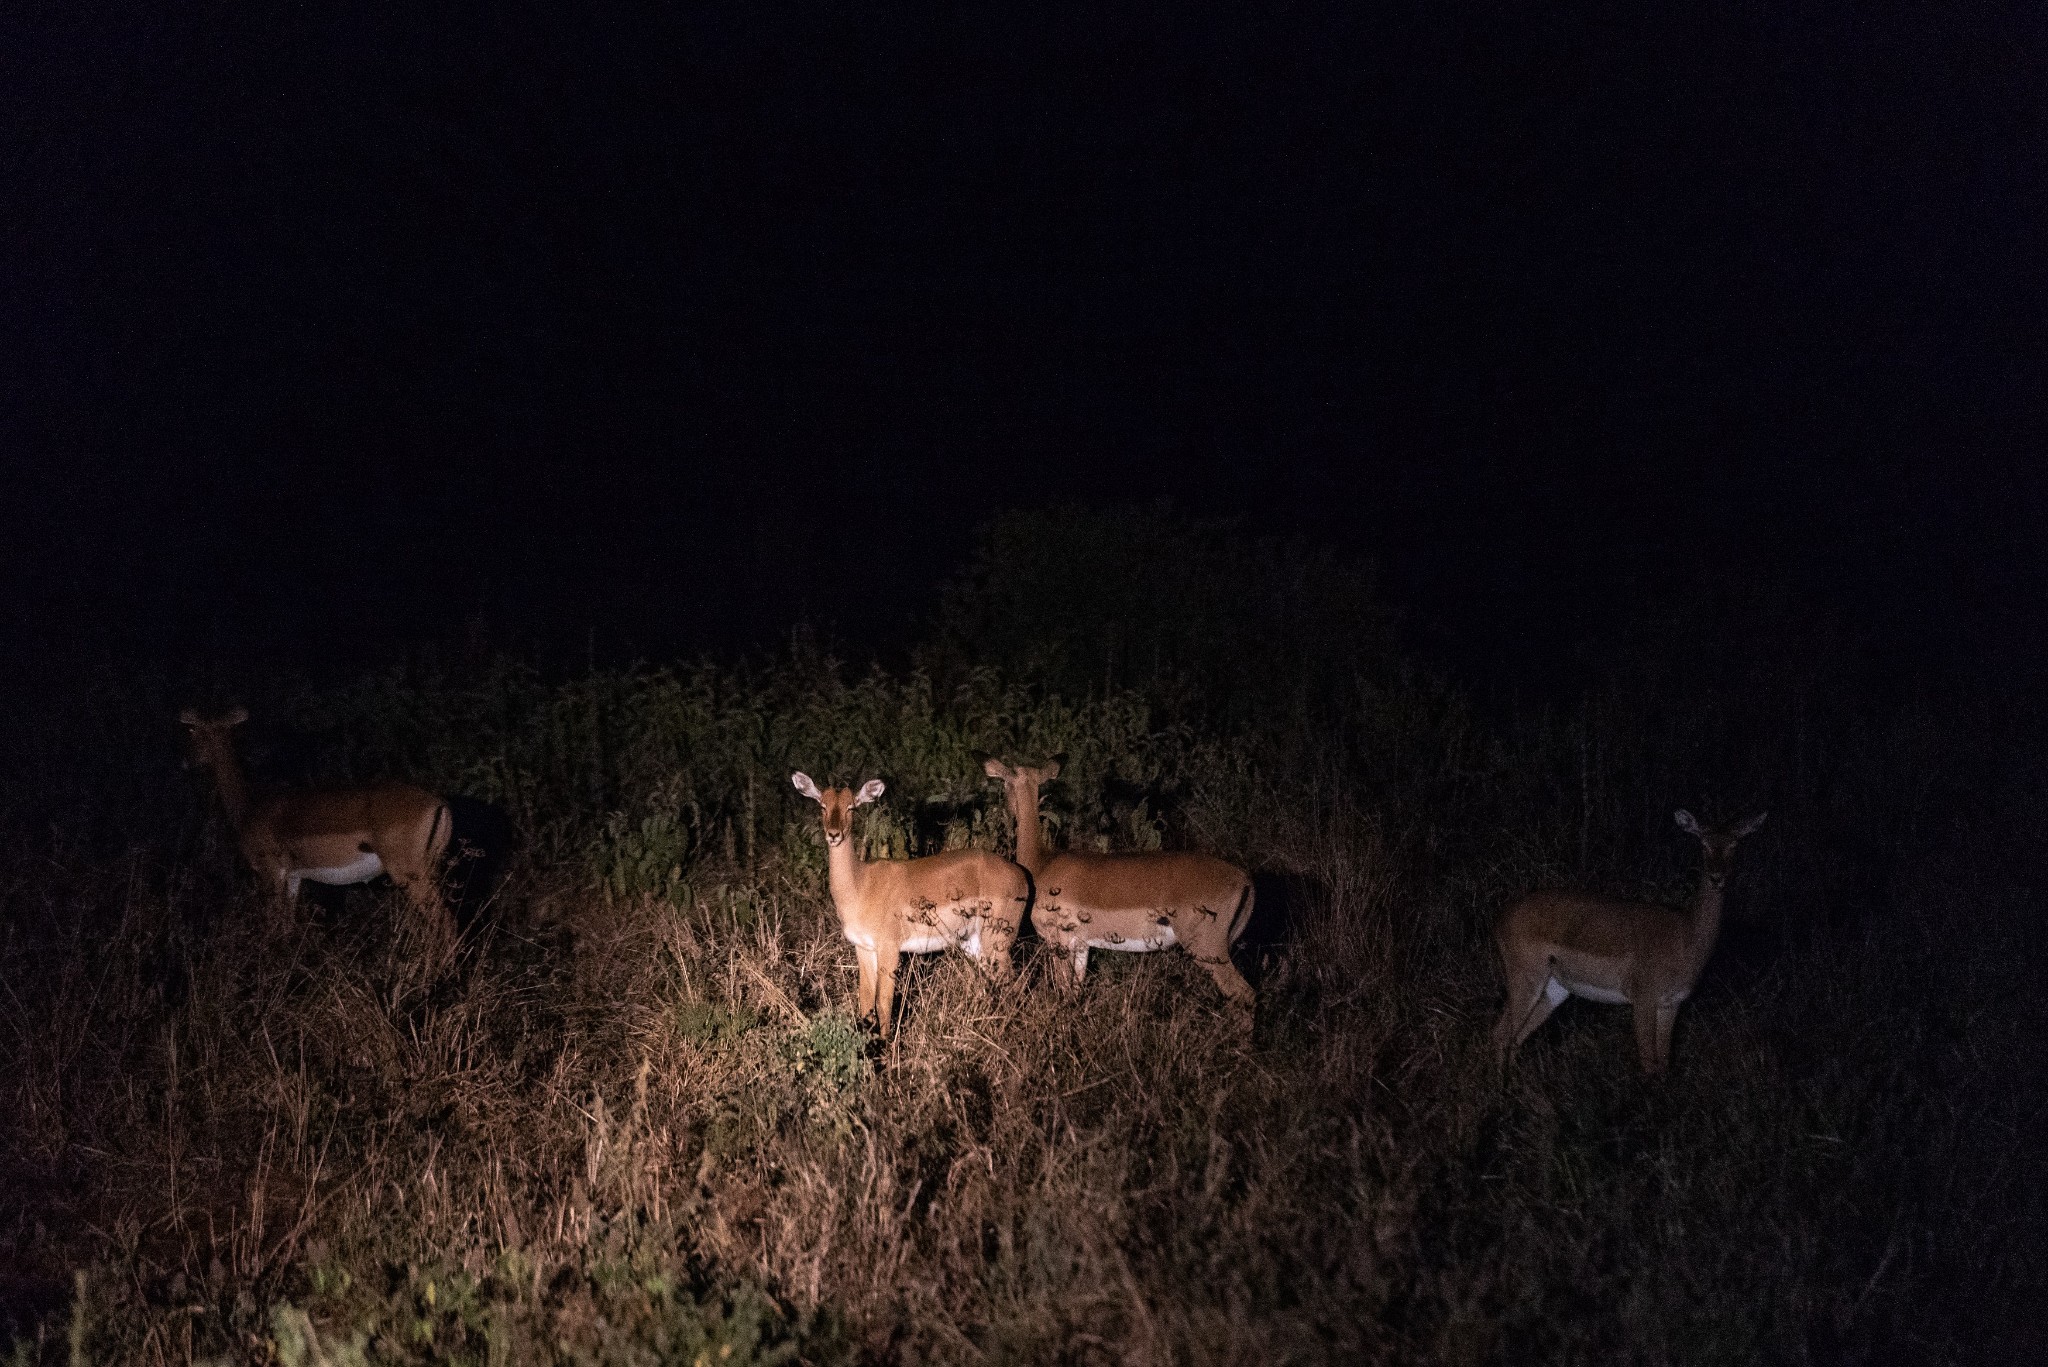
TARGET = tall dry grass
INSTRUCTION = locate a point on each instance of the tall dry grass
(639, 1125)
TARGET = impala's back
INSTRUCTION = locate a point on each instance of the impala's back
(1140, 888)
(354, 829)
(1594, 938)
(1130, 902)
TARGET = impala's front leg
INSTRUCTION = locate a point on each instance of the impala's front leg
(868, 978)
(1667, 1015)
(887, 960)
(280, 900)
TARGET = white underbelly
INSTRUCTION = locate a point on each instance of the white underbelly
(1593, 992)
(1160, 938)
(361, 869)
(925, 942)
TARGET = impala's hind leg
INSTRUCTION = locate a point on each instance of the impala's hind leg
(1227, 978)
(1249, 1001)
(1243, 917)
(430, 915)
(1232, 983)
(998, 937)
(1532, 995)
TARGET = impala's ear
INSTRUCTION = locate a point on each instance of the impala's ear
(869, 791)
(1051, 770)
(189, 718)
(1685, 821)
(995, 768)
(1746, 827)
(802, 783)
(235, 717)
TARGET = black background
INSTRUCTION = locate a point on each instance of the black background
(649, 330)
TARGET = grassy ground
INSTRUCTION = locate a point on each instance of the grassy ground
(639, 1126)
(643, 1128)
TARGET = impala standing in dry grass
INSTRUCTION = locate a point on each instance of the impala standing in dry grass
(966, 898)
(1560, 944)
(1129, 902)
(338, 836)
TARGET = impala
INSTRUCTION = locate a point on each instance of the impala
(1129, 902)
(966, 898)
(338, 836)
(1560, 944)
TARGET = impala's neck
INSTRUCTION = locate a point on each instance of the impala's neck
(1029, 852)
(234, 789)
(1705, 928)
(846, 872)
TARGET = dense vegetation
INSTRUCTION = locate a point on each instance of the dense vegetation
(638, 1125)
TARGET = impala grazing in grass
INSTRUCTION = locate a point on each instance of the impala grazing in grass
(1129, 902)
(336, 836)
(969, 899)
(1562, 944)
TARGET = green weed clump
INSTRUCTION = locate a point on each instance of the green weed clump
(648, 774)
(639, 1125)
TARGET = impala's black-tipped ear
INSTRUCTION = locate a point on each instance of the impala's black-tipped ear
(190, 718)
(995, 768)
(235, 716)
(1686, 822)
(869, 791)
(1750, 825)
(802, 783)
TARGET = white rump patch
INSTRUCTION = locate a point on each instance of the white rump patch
(361, 869)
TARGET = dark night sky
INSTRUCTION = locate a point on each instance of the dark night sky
(676, 323)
